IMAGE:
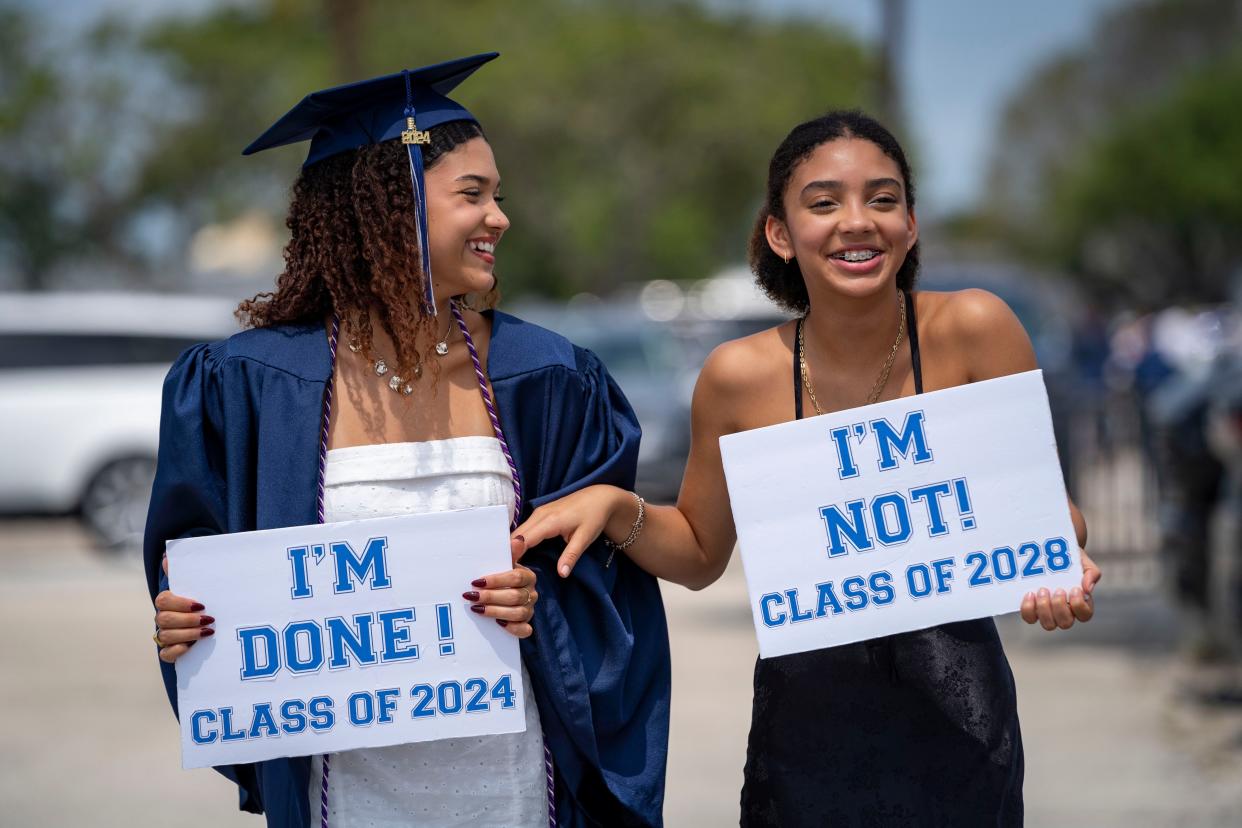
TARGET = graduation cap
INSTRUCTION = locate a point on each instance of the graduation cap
(403, 105)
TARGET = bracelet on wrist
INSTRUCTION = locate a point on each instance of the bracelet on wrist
(614, 548)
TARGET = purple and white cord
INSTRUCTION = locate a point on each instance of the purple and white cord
(517, 509)
(333, 338)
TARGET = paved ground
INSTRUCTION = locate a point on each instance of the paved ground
(86, 737)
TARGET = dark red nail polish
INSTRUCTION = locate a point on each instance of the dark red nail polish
(479, 582)
(205, 620)
(205, 632)
(502, 622)
(197, 607)
(479, 608)
(470, 596)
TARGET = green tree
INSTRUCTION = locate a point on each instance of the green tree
(1136, 63)
(1153, 208)
(633, 139)
(75, 126)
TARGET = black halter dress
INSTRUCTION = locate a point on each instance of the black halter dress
(915, 729)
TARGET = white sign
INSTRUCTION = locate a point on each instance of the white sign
(900, 515)
(344, 635)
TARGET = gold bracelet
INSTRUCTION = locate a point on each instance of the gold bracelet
(614, 548)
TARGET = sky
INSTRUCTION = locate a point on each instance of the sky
(963, 58)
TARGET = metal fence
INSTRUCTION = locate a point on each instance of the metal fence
(1112, 479)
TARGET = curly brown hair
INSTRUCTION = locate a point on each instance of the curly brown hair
(782, 281)
(353, 248)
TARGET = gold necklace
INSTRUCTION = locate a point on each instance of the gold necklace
(880, 381)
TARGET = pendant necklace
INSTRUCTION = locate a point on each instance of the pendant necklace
(880, 381)
(395, 382)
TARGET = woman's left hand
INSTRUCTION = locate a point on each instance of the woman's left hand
(1056, 610)
(508, 597)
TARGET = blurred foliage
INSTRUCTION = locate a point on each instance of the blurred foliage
(1143, 89)
(1153, 206)
(633, 138)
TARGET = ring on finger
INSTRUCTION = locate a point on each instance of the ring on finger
(155, 636)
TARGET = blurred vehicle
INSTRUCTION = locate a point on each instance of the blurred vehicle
(653, 368)
(80, 384)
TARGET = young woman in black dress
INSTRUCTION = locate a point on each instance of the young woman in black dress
(919, 728)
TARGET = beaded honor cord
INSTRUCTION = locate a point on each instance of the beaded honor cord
(333, 337)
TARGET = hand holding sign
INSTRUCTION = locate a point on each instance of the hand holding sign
(179, 622)
(508, 597)
(1058, 610)
(904, 515)
(347, 635)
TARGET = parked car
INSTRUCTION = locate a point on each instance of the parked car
(80, 383)
(655, 370)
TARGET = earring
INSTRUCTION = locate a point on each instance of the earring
(786, 258)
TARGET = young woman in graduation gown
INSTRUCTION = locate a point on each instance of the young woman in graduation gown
(482, 406)
(916, 729)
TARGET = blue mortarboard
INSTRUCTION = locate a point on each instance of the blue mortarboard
(401, 105)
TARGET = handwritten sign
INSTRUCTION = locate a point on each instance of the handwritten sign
(344, 635)
(901, 515)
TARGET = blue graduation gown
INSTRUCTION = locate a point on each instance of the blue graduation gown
(239, 450)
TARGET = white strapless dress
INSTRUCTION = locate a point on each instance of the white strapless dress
(479, 781)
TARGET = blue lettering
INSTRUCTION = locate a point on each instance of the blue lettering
(855, 592)
(256, 665)
(293, 714)
(197, 721)
(765, 609)
(827, 600)
(349, 566)
(930, 495)
(387, 701)
(322, 717)
(918, 579)
(295, 634)
(261, 721)
(796, 615)
(944, 574)
(350, 644)
(845, 458)
(854, 528)
(361, 709)
(880, 516)
(911, 436)
(228, 733)
(881, 584)
(395, 636)
(297, 560)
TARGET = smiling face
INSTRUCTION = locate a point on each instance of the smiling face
(464, 219)
(846, 219)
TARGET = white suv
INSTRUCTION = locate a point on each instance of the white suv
(80, 382)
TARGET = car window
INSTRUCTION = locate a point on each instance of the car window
(51, 350)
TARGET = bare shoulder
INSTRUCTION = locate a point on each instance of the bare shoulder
(739, 365)
(969, 315)
(742, 378)
(978, 329)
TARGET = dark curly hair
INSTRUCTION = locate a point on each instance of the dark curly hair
(354, 245)
(782, 281)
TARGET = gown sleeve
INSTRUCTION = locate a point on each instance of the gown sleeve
(599, 654)
(188, 496)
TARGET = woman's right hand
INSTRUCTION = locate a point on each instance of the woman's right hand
(578, 518)
(179, 622)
